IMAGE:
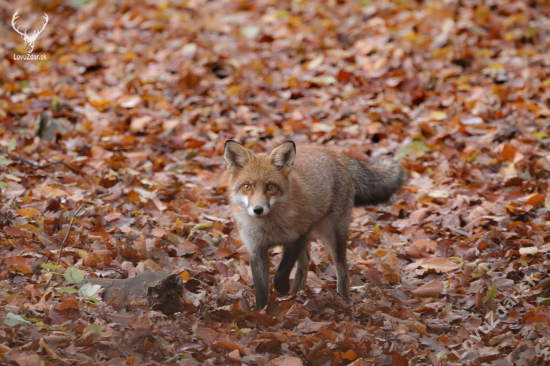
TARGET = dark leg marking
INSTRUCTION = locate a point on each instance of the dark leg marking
(291, 252)
(259, 263)
(302, 267)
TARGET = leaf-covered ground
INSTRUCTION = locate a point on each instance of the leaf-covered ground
(143, 95)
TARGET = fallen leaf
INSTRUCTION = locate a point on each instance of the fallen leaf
(286, 360)
(12, 319)
(30, 212)
(529, 250)
(438, 264)
(431, 289)
(74, 275)
(19, 264)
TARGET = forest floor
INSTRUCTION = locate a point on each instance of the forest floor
(138, 100)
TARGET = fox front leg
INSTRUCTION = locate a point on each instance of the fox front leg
(291, 253)
(259, 263)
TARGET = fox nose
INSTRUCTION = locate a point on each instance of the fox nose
(258, 210)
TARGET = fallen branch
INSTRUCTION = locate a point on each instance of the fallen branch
(58, 162)
(63, 242)
(37, 166)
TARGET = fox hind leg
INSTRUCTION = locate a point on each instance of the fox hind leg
(335, 237)
(302, 267)
(340, 262)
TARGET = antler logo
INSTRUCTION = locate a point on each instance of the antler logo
(29, 40)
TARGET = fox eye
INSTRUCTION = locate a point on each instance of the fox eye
(270, 187)
(247, 187)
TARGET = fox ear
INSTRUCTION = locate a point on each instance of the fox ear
(283, 156)
(236, 155)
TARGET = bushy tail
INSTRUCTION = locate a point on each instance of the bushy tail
(375, 183)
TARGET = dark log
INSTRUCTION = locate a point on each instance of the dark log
(167, 295)
(158, 290)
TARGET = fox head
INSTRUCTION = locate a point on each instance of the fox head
(258, 182)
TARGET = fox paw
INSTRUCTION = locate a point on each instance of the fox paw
(282, 285)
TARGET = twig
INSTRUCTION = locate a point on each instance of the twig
(38, 166)
(58, 162)
(68, 232)
(176, 358)
(19, 158)
(63, 242)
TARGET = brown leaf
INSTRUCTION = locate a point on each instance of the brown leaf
(509, 152)
(465, 277)
(27, 359)
(536, 198)
(425, 244)
(141, 322)
(438, 264)
(30, 212)
(399, 360)
(14, 231)
(19, 264)
(431, 289)
(16, 109)
(373, 275)
(69, 302)
(340, 357)
(286, 360)
(223, 253)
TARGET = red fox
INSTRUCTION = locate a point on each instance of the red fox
(282, 198)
